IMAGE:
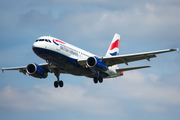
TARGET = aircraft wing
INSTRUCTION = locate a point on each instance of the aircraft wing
(23, 68)
(119, 59)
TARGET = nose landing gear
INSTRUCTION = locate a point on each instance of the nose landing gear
(58, 82)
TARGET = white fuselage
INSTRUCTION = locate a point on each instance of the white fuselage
(69, 51)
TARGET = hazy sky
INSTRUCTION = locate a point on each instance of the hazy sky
(152, 93)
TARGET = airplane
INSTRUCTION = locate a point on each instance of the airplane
(64, 58)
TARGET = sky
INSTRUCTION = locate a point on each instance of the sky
(151, 93)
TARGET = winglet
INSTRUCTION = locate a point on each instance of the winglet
(177, 50)
(2, 70)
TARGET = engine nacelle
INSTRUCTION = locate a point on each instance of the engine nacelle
(96, 64)
(36, 71)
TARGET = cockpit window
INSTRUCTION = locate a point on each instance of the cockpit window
(47, 40)
(41, 39)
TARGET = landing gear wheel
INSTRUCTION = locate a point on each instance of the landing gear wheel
(57, 74)
(61, 83)
(56, 84)
(95, 80)
(100, 79)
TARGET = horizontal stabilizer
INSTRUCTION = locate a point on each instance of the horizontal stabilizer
(132, 68)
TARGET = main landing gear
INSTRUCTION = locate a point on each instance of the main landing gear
(56, 73)
(98, 78)
(58, 82)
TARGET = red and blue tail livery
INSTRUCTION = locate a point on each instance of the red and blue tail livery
(64, 58)
(114, 46)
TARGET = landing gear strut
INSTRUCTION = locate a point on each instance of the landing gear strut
(57, 83)
(49, 64)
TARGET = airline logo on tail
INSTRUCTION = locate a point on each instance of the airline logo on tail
(114, 46)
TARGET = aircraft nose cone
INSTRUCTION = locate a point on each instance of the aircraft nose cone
(35, 45)
(35, 48)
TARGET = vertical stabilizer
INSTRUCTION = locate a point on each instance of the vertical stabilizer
(114, 46)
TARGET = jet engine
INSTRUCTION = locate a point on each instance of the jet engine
(96, 64)
(36, 71)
